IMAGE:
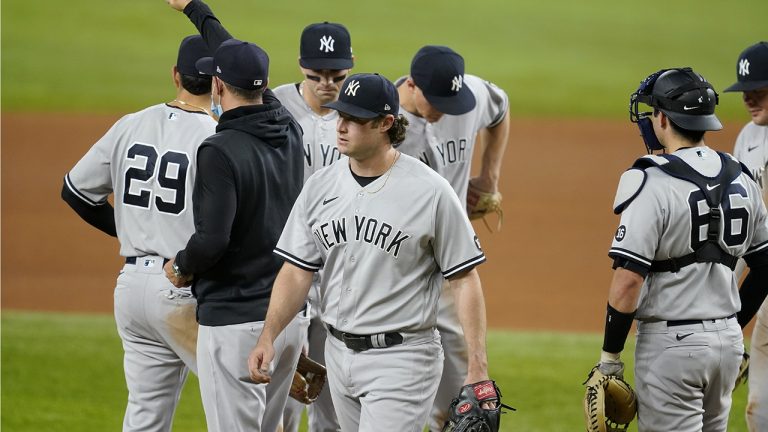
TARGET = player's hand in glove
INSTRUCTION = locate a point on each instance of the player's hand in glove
(308, 380)
(610, 404)
(481, 200)
(741, 378)
(476, 409)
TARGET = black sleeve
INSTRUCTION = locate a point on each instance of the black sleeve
(207, 24)
(752, 294)
(215, 201)
(101, 216)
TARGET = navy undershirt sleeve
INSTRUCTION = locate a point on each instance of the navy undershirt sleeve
(215, 202)
(101, 216)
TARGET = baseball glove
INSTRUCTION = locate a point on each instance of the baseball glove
(741, 378)
(308, 380)
(610, 404)
(481, 202)
(466, 413)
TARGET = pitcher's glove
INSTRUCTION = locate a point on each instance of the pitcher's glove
(308, 380)
(741, 378)
(481, 202)
(610, 404)
(466, 413)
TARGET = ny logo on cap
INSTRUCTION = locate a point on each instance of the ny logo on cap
(744, 67)
(326, 43)
(352, 88)
(456, 83)
(218, 69)
(387, 107)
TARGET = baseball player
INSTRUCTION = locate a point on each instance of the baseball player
(249, 174)
(325, 60)
(386, 230)
(148, 160)
(686, 216)
(752, 150)
(446, 109)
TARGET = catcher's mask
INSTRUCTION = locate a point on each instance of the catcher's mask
(682, 95)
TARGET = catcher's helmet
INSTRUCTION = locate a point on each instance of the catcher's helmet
(682, 95)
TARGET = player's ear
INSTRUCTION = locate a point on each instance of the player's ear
(176, 77)
(386, 122)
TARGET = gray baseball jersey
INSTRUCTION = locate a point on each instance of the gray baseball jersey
(447, 145)
(384, 248)
(319, 131)
(664, 220)
(752, 150)
(148, 159)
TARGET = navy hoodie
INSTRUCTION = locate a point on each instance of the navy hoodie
(248, 176)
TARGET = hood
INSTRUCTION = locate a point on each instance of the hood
(269, 123)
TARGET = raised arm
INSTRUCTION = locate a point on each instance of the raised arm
(210, 28)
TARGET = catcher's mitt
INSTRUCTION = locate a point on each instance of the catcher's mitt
(741, 378)
(308, 380)
(610, 404)
(481, 203)
(466, 413)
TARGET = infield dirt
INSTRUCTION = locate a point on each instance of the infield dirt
(546, 269)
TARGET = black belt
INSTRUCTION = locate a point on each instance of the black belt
(132, 260)
(690, 322)
(357, 342)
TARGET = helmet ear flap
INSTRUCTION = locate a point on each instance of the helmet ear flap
(643, 94)
(649, 136)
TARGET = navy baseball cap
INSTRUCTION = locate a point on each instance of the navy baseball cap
(192, 49)
(325, 46)
(367, 96)
(238, 63)
(439, 72)
(752, 68)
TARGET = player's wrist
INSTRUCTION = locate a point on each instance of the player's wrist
(617, 325)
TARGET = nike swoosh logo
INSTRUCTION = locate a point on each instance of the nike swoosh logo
(712, 188)
(687, 108)
(326, 201)
(680, 337)
(749, 149)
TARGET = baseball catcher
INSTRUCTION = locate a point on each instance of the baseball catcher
(481, 202)
(308, 380)
(610, 404)
(467, 412)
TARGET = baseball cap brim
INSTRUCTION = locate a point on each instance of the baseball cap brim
(326, 63)
(460, 103)
(353, 110)
(205, 66)
(695, 122)
(747, 86)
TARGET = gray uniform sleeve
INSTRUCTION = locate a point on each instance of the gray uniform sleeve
(296, 244)
(91, 178)
(456, 247)
(492, 102)
(641, 226)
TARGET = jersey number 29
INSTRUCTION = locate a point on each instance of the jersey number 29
(145, 174)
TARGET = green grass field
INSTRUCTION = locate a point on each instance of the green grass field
(555, 58)
(64, 373)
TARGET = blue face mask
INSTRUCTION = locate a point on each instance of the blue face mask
(216, 108)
